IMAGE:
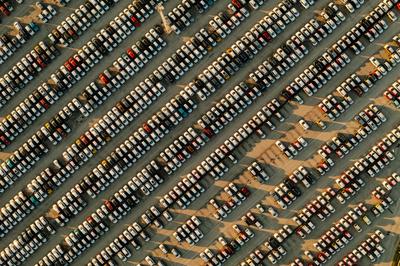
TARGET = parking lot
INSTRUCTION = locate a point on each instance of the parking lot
(122, 171)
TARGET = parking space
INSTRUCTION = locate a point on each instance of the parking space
(208, 132)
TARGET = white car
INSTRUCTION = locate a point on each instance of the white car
(272, 259)
(273, 212)
(302, 141)
(304, 124)
(280, 145)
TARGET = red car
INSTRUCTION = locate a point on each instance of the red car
(40, 62)
(61, 132)
(73, 62)
(393, 91)
(388, 95)
(267, 36)
(4, 10)
(90, 220)
(44, 104)
(331, 191)
(68, 66)
(130, 53)
(135, 21)
(321, 257)
(146, 128)
(84, 139)
(72, 33)
(104, 78)
(180, 157)
(109, 205)
(4, 140)
(237, 4)
(208, 132)
(245, 191)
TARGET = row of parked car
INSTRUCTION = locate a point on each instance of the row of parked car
(181, 16)
(255, 168)
(191, 181)
(340, 145)
(195, 172)
(379, 12)
(274, 244)
(346, 144)
(31, 151)
(319, 207)
(20, 75)
(370, 118)
(338, 235)
(131, 55)
(21, 160)
(85, 58)
(291, 149)
(78, 65)
(189, 232)
(47, 12)
(287, 191)
(236, 197)
(57, 128)
(378, 158)
(393, 94)
(371, 248)
(350, 182)
(334, 107)
(347, 41)
(120, 245)
(6, 7)
(80, 20)
(27, 242)
(254, 258)
(20, 204)
(10, 44)
(384, 201)
(243, 236)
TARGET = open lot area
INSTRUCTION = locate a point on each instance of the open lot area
(199, 132)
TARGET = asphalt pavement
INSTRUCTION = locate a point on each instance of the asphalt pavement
(263, 150)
